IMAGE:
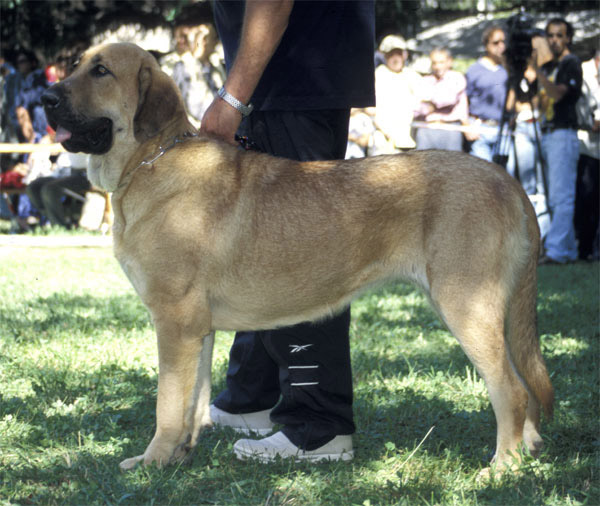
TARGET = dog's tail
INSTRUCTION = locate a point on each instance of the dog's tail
(521, 325)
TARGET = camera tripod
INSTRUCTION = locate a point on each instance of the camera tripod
(506, 143)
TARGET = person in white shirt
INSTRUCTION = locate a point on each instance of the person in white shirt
(396, 92)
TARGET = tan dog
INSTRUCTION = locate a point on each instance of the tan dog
(213, 237)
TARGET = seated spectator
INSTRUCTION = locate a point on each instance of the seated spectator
(8, 85)
(12, 84)
(37, 170)
(486, 91)
(360, 133)
(32, 125)
(444, 103)
(47, 190)
(396, 91)
(29, 110)
(24, 214)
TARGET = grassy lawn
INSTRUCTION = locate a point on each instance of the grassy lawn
(78, 386)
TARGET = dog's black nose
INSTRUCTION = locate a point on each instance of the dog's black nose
(50, 99)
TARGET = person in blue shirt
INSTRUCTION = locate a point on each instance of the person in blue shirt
(303, 66)
(486, 91)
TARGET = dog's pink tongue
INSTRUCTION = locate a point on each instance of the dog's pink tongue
(62, 134)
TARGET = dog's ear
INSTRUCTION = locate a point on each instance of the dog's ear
(159, 101)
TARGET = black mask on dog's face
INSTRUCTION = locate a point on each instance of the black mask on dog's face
(75, 132)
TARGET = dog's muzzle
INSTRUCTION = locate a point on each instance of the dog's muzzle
(74, 131)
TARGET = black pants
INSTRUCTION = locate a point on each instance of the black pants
(587, 207)
(305, 367)
(47, 195)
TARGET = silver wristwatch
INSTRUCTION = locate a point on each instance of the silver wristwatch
(245, 110)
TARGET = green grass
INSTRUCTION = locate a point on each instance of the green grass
(78, 386)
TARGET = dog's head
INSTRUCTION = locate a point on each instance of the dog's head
(115, 100)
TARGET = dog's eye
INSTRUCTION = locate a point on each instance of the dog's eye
(100, 70)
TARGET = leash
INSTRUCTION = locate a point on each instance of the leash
(161, 151)
(244, 142)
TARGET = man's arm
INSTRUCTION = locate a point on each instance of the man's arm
(265, 22)
(553, 90)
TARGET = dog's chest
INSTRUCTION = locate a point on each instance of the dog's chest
(133, 271)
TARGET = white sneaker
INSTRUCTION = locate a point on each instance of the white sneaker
(267, 449)
(248, 423)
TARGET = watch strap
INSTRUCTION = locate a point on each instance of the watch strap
(245, 110)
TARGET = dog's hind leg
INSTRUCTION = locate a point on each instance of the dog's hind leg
(475, 313)
(201, 394)
(526, 356)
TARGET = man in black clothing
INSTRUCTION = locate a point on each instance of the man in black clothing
(303, 66)
(560, 81)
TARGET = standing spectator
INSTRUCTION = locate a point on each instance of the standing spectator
(523, 159)
(443, 101)
(587, 207)
(197, 77)
(181, 63)
(208, 75)
(486, 90)
(303, 65)
(560, 82)
(396, 89)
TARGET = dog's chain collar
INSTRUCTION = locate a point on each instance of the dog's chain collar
(161, 151)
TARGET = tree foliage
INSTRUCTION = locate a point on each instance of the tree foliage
(47, 26)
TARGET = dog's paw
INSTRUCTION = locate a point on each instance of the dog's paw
(160, 453)
(534, 443)
(129, 464)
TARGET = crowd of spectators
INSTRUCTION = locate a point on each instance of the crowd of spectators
(442, 109)
(541, 124)
(39, 181)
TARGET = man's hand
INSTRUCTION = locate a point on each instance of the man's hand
(221, 120)
(553, 90)
(265, 22)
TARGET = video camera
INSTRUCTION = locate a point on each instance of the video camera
(521, 30)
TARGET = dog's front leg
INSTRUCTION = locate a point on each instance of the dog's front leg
(183, 389)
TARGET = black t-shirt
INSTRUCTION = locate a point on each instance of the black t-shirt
(563, 114)
(325, 59)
